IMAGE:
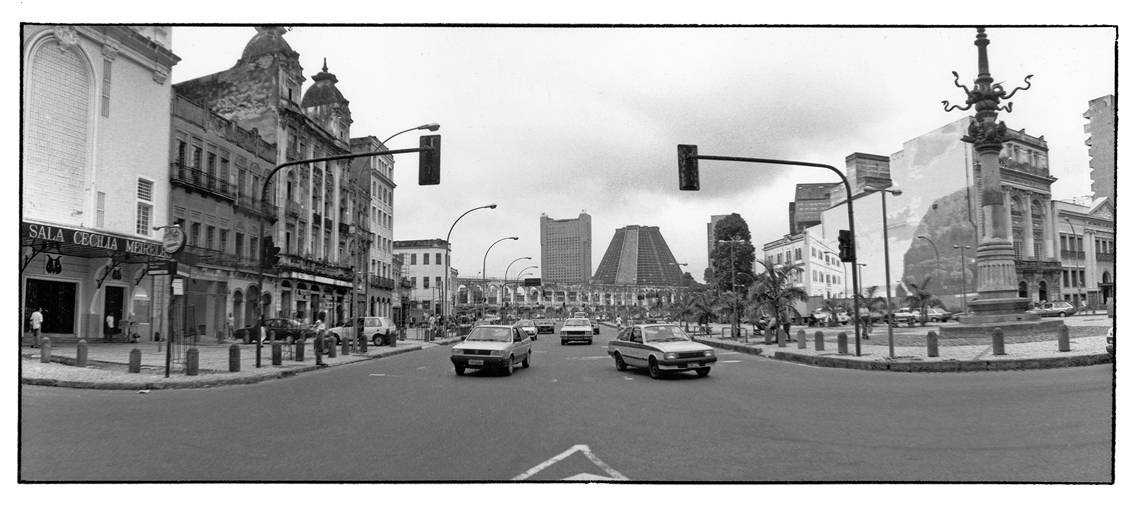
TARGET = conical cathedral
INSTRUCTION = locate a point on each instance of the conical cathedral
(638, 255)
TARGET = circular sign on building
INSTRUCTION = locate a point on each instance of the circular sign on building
(173, 239)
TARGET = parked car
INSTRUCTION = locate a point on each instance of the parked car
(576, 329)
(819, 317)
(285, 329)
(843, 318)
(937, 314)
(904, 315)
(1111, 340)
(1059, 308)
(529, 327)
(381, 330)
(874, 316)
(660, 349)
(544, 325)
(492, 347)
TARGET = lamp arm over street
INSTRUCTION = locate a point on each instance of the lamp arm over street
(428, 126)
(447, 259)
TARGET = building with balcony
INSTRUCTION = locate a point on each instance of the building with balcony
(1087, 243)
(821, 275)
(262, 92)
(423, 266)
(375, 190)
(94, 176)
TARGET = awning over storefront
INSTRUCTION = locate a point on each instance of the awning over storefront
(88, 243)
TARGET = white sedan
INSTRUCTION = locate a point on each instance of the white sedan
(660, 348)
(577, 329)
(492, 347)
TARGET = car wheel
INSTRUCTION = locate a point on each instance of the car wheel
(654, 371)
(526, 361)
(619, 362)
(510, 369)
(459, 370)
(563, 342)
(589, 341)
(704, 371)
(377, 340)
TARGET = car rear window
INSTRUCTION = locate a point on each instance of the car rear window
(578, 322)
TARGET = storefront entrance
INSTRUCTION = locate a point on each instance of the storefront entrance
(57, 298)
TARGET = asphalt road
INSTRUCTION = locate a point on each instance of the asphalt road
(572, 415)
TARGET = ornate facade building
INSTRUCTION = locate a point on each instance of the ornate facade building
(375, 190)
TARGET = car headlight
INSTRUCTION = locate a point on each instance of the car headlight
(708, 353)
(670, 356)
(499, 353)
(456, 351)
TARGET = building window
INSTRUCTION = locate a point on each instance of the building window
(439, 258)
(438, 281)
(195, 233)
(209, 237)
(100, 204)
(1065, 279)
(239, 242)
(145, 207)
(105, 108)
(413, 257)
(426, 281)
(223, 240)
(427, 259)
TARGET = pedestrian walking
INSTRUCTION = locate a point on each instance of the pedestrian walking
(37, 320)
(230, 326)
(109, 327)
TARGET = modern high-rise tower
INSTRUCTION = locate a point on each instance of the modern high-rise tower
(565, 249)
(710, 232)
(638, 255)
(1101, 141)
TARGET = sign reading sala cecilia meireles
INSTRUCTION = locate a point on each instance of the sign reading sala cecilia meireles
(99, 240)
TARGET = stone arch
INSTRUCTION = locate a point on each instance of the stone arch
(1023, 289)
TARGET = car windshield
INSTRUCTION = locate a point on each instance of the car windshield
(577, 322)
(664, 334)
(525, 323)
(493, 334)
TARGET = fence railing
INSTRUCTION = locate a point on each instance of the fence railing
(191, 177)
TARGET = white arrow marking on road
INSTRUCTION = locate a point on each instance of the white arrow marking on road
(420, 368)
(613, 474)
(588, 477)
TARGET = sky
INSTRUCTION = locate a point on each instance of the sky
(560, 120)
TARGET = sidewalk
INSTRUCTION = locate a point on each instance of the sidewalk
(107, 364)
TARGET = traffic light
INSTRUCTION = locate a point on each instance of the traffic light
(270, 254)
(687, 167)
(846, 246)
(429, 160)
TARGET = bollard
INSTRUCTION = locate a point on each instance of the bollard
(45, 350)
(192, 361)
(1063, 338)
(235, 358)
(135, 362)
(932, 344)
(801, 339)
(781, 338)
(275, 353)
(767, 336)
(363, 343)
(330, 345)
(317, 349)
(842, 340)
(299, 353)
(999, 342)
(81, 353)
(819, 340)
(344, 346)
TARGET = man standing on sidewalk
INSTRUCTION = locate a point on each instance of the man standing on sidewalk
(37, 320)
(109, 329)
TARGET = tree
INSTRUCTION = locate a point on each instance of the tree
(922, 298)
(775, 293)
(701, 306)
(728, 258)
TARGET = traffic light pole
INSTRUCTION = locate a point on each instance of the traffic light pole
(261, 260)
(689, 152)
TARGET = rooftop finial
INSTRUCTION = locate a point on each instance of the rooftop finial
(325, 64)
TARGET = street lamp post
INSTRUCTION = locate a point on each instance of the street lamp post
(962, 249)
(428, 126)
(1079, 281)
(937, 257)
(732, 259)
(447, 261)
(502, 306)
(483, 299)
(887, 262)
(687, 159)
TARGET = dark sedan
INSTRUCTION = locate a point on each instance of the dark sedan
(281, 328)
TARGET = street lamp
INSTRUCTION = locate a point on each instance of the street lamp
(428, 126)
(502, 307)
(687, 161)
(1080, 281)
(962, 249)
(937, 257)
(732, 259)
(447, 261)
(483, 299)
(887, 262)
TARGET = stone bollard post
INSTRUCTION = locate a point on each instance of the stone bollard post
(192, 361)
(299, 352)
(330, 344)
(767, 336)
(45, 350)
(344, 342)
(932, 344)
(235, 358)
(1063, 338)
(81, 353)
(275, 354)
(842, 340)
(317, 349)
(801, 339)
(819, 340)
(781, 338)
(363, 343)
(135, 362)
(999, 341)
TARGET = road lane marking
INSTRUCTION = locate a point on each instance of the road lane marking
(593, 357)
(585, 450)
(730, 361)
(422, 367)
(381, 374)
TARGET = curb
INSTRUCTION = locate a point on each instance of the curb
(204, 383)
(951, 365)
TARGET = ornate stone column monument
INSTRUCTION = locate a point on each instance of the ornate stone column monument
(997, 303)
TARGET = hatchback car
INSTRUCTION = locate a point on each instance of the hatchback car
(282, 328)
(544, 325)
(660, 349)
(576, 329)
(1060, 308)
(528, 327)
(381, 330)
(492, 347)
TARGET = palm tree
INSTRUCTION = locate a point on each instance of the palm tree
(702, 306)
(833, 307)
(774, 292)
(921, 297)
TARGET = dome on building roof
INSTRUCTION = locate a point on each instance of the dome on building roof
(269, 40)
(323, 91)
